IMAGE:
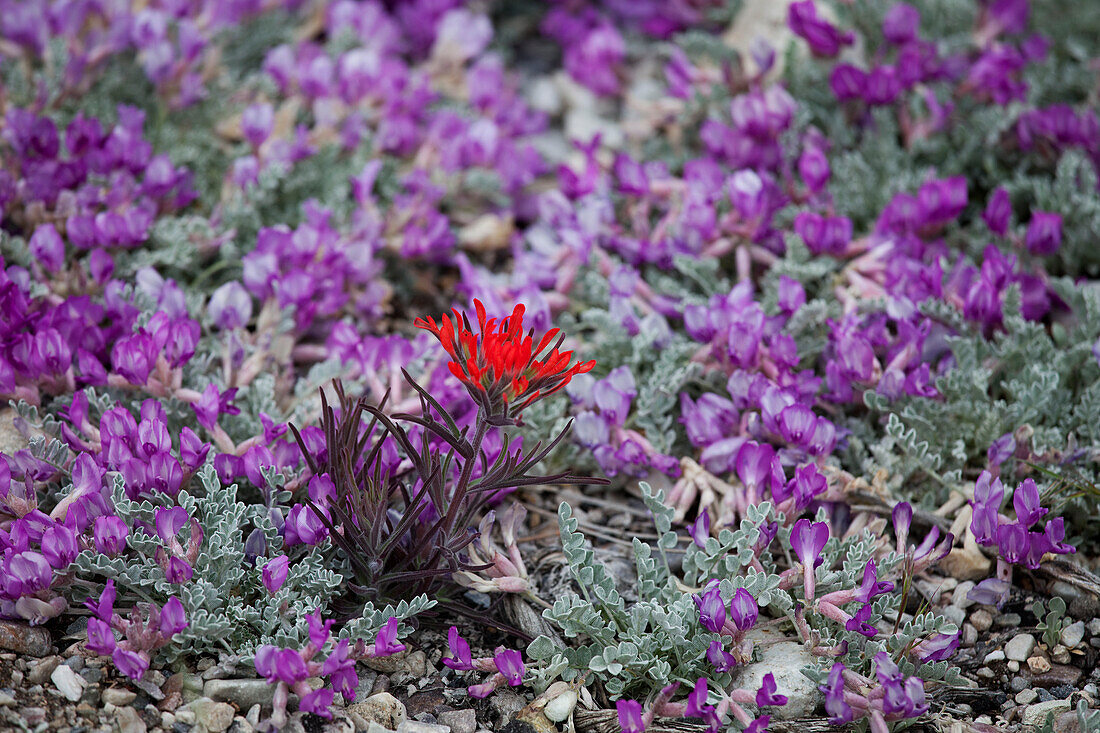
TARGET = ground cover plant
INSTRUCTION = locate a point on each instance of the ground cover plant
(651, 364)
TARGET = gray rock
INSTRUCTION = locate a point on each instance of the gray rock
(1019, 647)
(505, 704)
(785, 661)
(459, 721)
(373, 727)
(1026, 696)
(1007, 621)
(214, 716)
(1018, 684)
(119, 696)
(543, 95)
(76, 662)
(955, 614)
(129, 721)
(1073, 634)
(245, 693)
(68, 682)
(1094, 627)
(982, 619)
(994, 656)
(1035, 715)
(415, 726)
(958, 596)
(381, 708)
(43, 670)
(6, 699)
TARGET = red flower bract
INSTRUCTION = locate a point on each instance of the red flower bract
(502, 367)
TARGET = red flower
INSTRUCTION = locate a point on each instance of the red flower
(502, 368)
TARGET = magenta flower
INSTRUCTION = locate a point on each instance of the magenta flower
(104, 608)
(759, 725)
(317, 702)
(722, 660)
(712, 611)
(700, 529)
(280, 665)
(998, 211)
(743, 610)
(836, 708)
(1044, 233)
(1012, 540)
(169, 521)
(101, 639)
(274, 573)
(1025, 500)
(823, 38)
(178, 570)
(385, 643)
(858, 623)
(318, 629)
(339, 667)
(131, 664)
(901, 24)
(630, 716)
(460, 660)
(808, 540)
(59, 546)
(871, 587)
(509, 663)
(766, 695)
(109, 534)
(172, 617)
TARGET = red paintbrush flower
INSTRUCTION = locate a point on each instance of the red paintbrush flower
(504, 369)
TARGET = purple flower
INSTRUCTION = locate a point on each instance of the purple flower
(997, 212)
(1012, 540)
(871, 587)
(939, 647)
(230, 306)
(25, 573)
(697, 701)
(509, 663)
(808, 540)
(101, 639)
(823, 38)
(169, 521)
(839, 712)
(1056, 535)
(274, 573)
(700, 529)
(760, 725)
(280, 665)
(172, 617)
(59, 546)
(131, 664)
(743, 610)
(256, 123)
(109, 534)
(988, 490)
(304, 526)
(712, 611)
(722, 660)
(900, 24)
(178, 570)
(385, 643)
(766, 695)
(340, 669)
(317, 702)
(1025, 500)
(858, 623)
(630, 716)
(902, 517)
(990, 592)
(460, 659)
(47, 248)
(104, 607)
(1001, 449)
(1044, 233)
(318, 629)
(813, 166)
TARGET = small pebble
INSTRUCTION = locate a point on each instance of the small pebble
(986, 673)
(1013, 666)
(1073, 634)
(1026, 697)
(1018, 684)
(68, 682)
(1094, 627)
(1019, 647)
(982, 619)
(994, 656)
(1038, 664)
(1008, 620)
(969, 636)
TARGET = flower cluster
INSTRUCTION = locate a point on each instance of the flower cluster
(288, 669)
(142, 633)
(1015, 540)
